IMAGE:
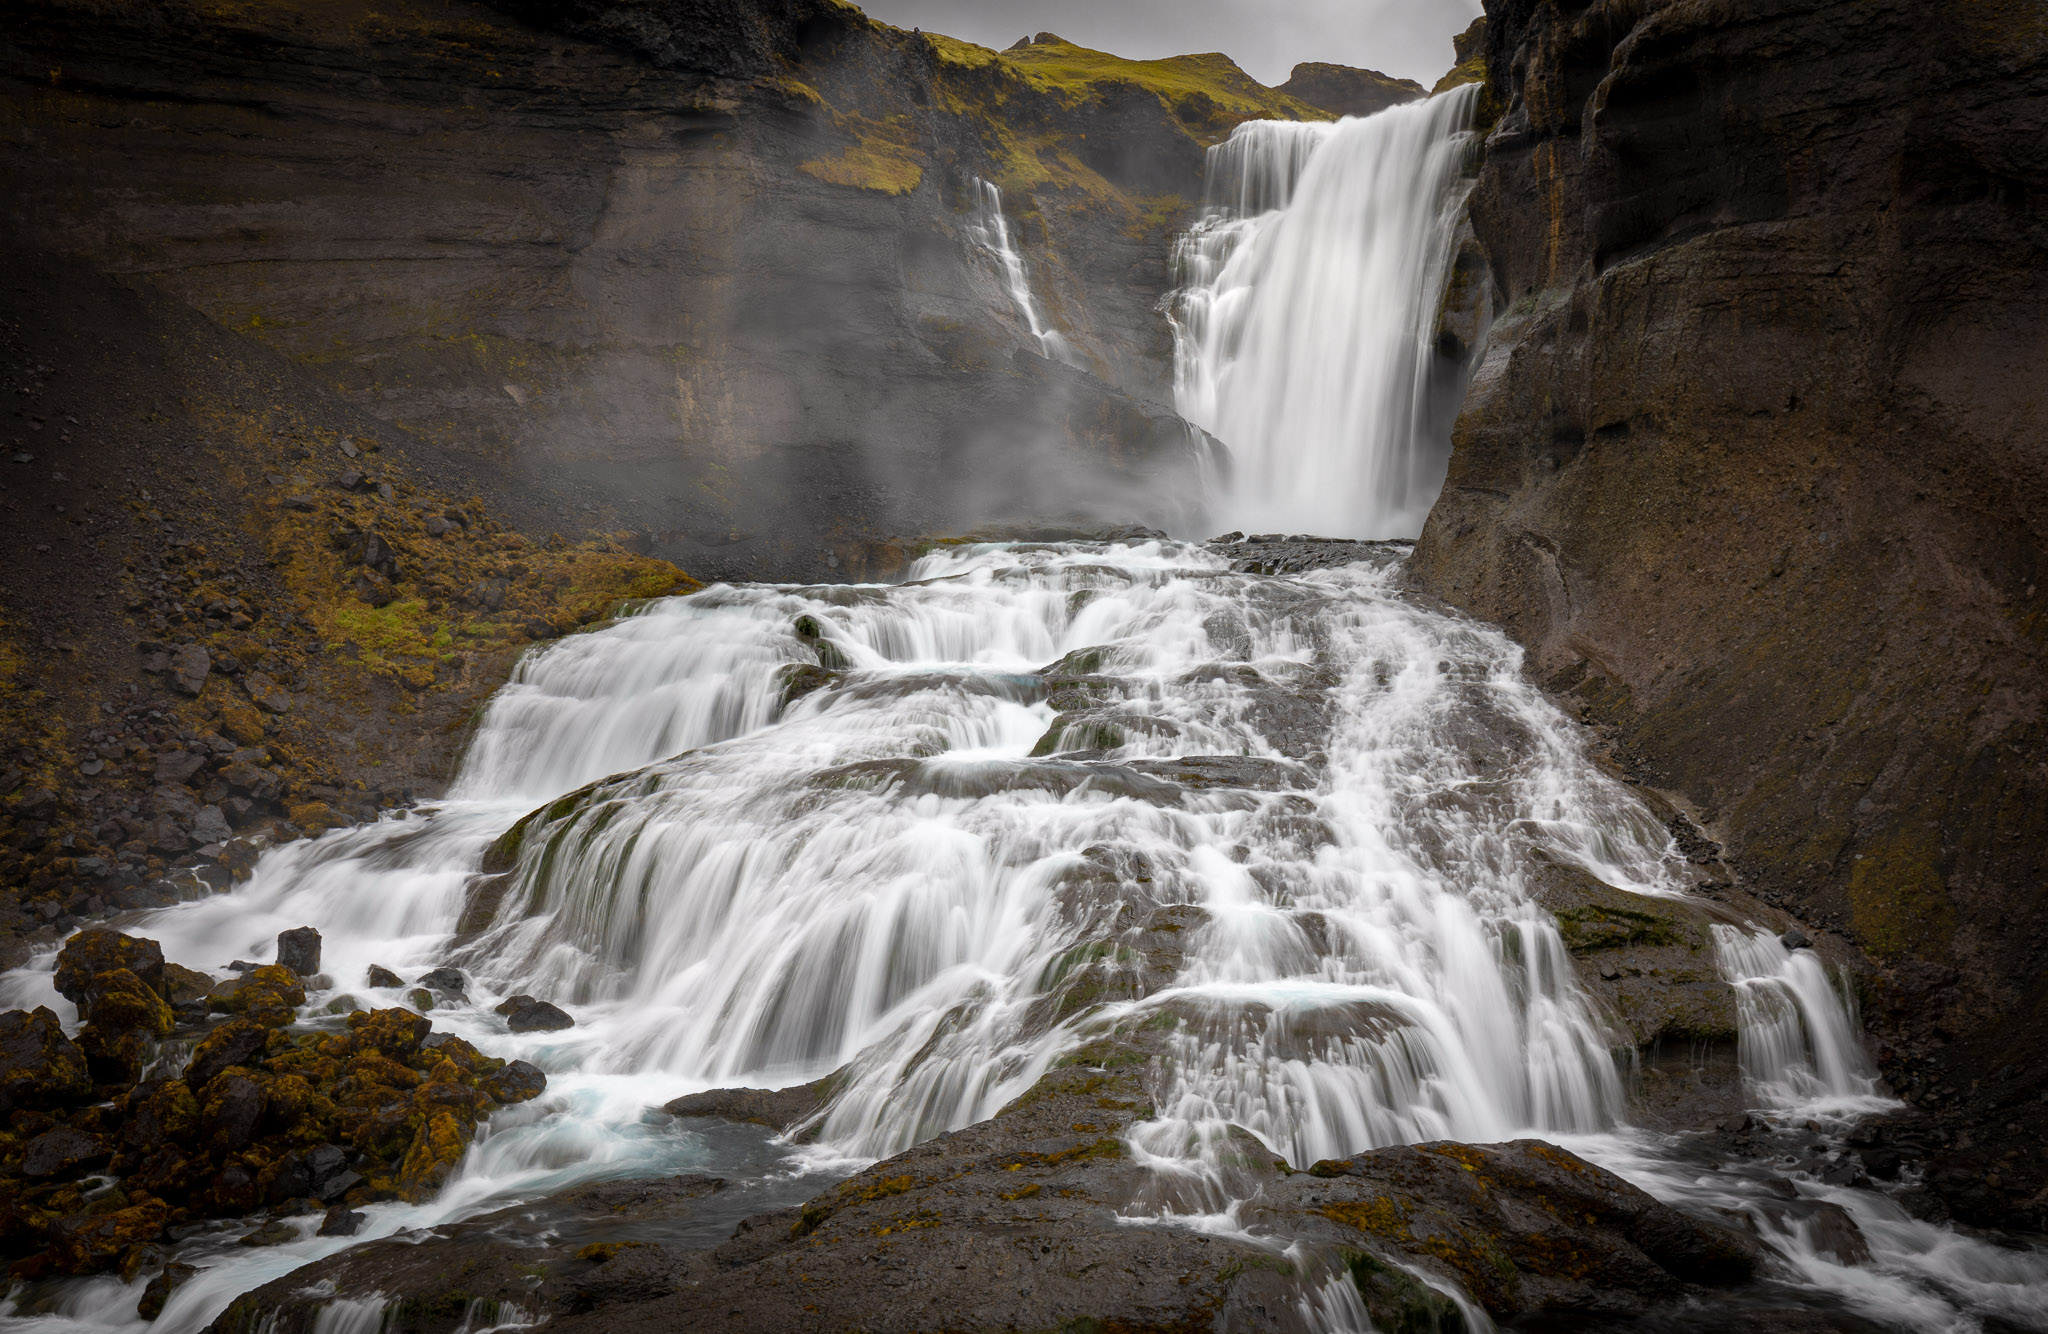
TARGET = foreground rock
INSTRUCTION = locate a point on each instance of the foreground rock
(1019, 1222)
(260, 1119)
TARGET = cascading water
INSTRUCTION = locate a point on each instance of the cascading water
(932, 836)
(1305, 323)
(991, 231)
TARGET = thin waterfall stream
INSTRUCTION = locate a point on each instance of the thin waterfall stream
(930, 838)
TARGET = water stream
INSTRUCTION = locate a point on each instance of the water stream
(935, 834)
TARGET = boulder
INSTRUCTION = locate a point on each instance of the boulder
(185, 986)
(299, 950)
(517, 1082)
(174, 1276)
(39, 1066)
(380, 976)
(118, 1002)
(1525, 1227)
(97, 950)
(210, 826)
(524, 1014)
(61, 1152)
(190, 664)
(449, 980)
(270, 995)
(778, 1109)
(237, 1042)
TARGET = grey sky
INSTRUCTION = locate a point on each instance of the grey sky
(1407, 38)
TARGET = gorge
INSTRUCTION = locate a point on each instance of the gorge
(1600, 896)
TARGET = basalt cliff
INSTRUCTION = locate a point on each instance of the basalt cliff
(1754, 465)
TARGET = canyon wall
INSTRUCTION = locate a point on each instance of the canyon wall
(701, 274)
(1755, 465)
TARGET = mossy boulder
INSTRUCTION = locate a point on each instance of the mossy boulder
(98, 950)
(270, 996)
(39, 1066)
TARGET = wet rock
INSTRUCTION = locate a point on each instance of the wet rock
(449, 980)
(39, 1066)
(517, 1082)
(342, 1221)
(190, 664)
(229, 1109)
(420, 999)
(1526, 1226)
(299, 950)
(1795, 939)
(269, 995)
(275, 1233)
(118, 1002)
(160, 1288)
(237, 1042)
(380, 976)
(90, 1243)
(778, 1109)
(61, 1152)
(185, 986)
(524, 1014)
(97, 950)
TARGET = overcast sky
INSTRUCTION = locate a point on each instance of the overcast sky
(1406, 38)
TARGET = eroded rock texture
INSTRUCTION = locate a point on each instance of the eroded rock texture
(1754, 463)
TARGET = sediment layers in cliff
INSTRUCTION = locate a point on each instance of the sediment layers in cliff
(1753, 465)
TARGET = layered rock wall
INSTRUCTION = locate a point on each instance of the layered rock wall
(1755, 460)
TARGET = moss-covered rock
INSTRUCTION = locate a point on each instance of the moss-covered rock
(39, 1066)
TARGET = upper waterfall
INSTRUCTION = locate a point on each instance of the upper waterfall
(1307, 308)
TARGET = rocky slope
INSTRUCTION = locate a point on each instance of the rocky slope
(1753, 466)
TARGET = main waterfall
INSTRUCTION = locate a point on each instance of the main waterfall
(1305, 325)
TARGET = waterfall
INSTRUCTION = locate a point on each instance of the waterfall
(1305, 322)
(1799, 1045)
(991, 231)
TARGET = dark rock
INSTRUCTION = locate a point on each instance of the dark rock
(177, 766)
(174, 1276)
(299, 950)
(449, 980)
(190, 664)
(229, 1109)
(1526, 1226)
(211, 826)
(342, 1221)
(380, 976)
(534, 1016)
(303, 504)
(275, 1233)
(61, 1152)
(98, 950)
(517, 1082)
(1347, 91)
(1795, 939)
(1650, 173)
(265, 693)
(236, 1042)
(778, 1109)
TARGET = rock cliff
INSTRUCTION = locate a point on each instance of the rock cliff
(1754, 466)
(711, 267)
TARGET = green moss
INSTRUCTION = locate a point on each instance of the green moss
(1598, 927)
(1898, 898)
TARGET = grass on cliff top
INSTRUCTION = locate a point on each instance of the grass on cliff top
(1076, 73)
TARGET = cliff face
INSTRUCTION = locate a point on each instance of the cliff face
(700, 273)
(1755, 466)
